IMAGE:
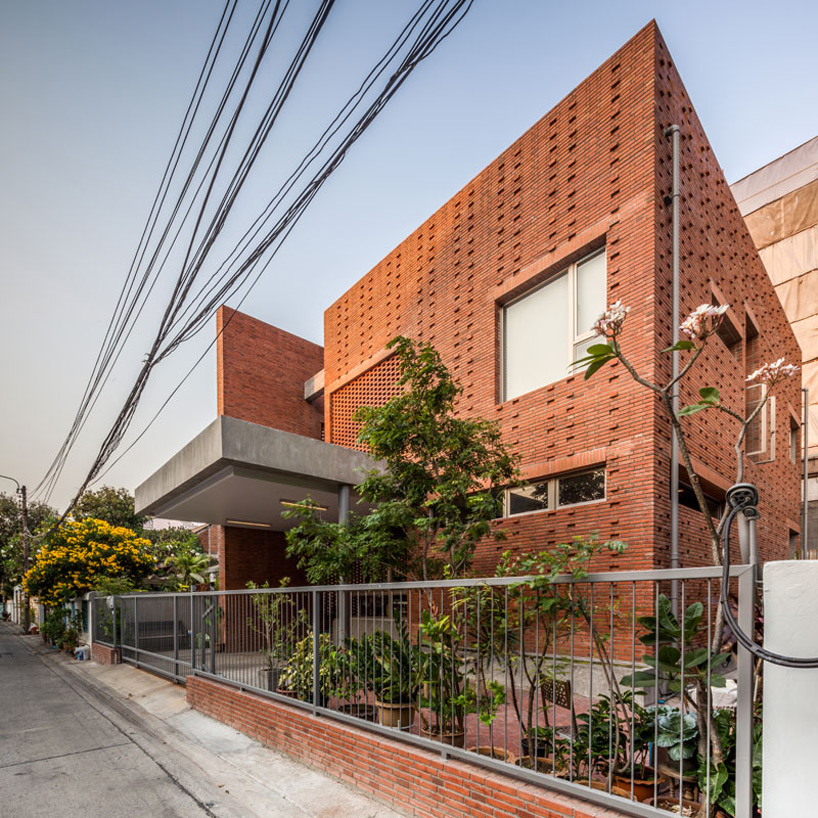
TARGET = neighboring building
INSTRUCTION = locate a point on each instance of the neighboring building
(505, 280)
(779, 203)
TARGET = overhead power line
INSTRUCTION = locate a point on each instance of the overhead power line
(201, 213)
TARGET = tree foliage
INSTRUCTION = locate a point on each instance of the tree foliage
(83, 554)
(11, 542)
(115, 506)
(437, 493)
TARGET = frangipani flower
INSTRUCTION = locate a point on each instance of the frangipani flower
(770, 373)
(610, 322)
(703, 321)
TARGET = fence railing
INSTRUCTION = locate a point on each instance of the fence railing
(612, 687)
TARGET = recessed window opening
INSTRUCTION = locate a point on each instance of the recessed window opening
(548, 328)
(573, 489)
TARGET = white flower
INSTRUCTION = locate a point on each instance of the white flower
(697, 325)
(770, 373)
(610, 322)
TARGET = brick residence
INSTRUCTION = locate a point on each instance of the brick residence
(568, 219)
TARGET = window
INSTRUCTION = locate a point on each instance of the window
(547, 329)
(557, 492)
(687, 498)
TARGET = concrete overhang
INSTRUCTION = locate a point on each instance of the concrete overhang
(235, 472)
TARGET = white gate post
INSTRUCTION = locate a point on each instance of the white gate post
(790, 695)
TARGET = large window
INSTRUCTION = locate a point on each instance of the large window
(557, 492)
(547, 329)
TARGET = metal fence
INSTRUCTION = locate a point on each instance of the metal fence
(612, 688)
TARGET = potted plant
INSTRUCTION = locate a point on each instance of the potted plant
(297, 675)
(446, 693)
(639, 777)
(277, 623)
(349, 681)
(389, 667)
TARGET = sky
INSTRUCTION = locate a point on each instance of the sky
(92, 93)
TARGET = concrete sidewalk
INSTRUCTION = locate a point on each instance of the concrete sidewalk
(194, 765)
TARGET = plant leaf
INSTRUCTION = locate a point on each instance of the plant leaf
(681, 346)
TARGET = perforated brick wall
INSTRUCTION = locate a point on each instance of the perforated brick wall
(375, 387)
(592, 172)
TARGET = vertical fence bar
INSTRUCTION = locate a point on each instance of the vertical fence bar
(192, 632)
(136, 629)
(176, 636)
(744, 706)
(316, 639)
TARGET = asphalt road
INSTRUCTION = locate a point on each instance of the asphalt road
(80, 739)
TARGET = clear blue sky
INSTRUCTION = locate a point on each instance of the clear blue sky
(92, 93)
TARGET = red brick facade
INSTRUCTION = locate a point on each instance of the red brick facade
(259, 556)
(592, 173)
(261, 372)
(410, 778)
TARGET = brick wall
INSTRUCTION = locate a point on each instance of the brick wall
(717, 258)
(261, 372)
(103, 655)
(592, 172)
(246, 555)
(411, 779)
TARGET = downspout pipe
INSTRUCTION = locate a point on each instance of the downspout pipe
(672, 133)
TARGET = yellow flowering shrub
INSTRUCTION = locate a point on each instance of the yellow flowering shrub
(80, 553)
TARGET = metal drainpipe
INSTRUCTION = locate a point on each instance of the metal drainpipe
(673, 133)
(806, 553)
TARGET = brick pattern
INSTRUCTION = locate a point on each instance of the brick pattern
(246, 554)
(411, 779)
(592, 172)
(716, 248)
(261, 371)
(103, 655)
(375, 387)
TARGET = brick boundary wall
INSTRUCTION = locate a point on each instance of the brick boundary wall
(103, 655)
(406, 777)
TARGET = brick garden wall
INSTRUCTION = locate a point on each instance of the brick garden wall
(409, 778)
(103, 655)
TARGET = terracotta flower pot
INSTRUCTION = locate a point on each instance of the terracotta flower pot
(642, 787)
(400, 715)
(454, 738)
(495, 752)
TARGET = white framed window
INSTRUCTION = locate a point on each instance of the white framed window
(577, 488)
(548, 328)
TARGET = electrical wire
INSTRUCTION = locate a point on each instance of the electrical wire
(743, 498)
(436, 22)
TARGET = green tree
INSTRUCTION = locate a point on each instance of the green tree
(81, 555)
(115, 506)
(11, 543)
(438, 491)
(187, 564)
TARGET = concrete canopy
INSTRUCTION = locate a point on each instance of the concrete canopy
(240, 473)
